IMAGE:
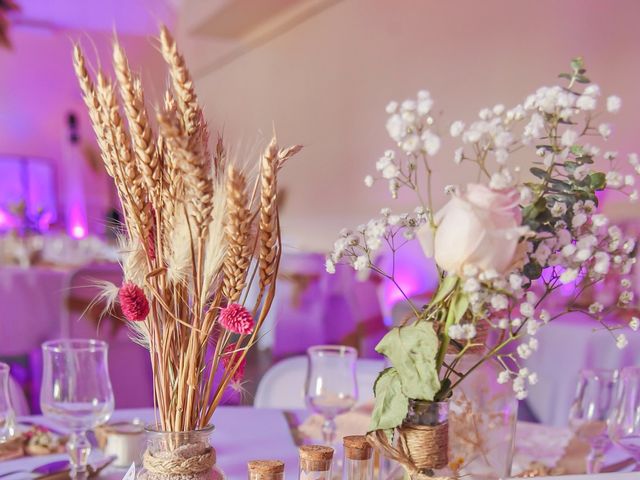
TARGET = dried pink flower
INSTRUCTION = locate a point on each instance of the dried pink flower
(236, 319)
(229, 358)
(133, 302)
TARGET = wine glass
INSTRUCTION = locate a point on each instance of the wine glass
(331, 387)
(7, 415)
(589, 412)
(624, 421)
(76, 392)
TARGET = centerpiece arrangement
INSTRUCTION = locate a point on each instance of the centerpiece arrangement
(200, 229)
(504, 246)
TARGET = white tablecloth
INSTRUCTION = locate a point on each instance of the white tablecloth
(241, 434)
(245, 433)
(31, 307)
(565, 347)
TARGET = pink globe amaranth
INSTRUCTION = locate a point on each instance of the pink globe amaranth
(236, 319)
(133, 302)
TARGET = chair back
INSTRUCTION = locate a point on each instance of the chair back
(282, 386)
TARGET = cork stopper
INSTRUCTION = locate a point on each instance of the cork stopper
(315, 458)
(356, 447)
(265, 469)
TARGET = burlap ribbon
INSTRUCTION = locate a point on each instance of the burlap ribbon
(419, 448)
(179, 465)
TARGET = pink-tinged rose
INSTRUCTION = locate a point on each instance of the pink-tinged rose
(478, 227)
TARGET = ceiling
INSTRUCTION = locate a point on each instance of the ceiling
(128, 17)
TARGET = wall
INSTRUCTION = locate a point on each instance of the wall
(37, 90)
(325, 83)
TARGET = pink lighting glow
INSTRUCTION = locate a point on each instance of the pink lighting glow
(78, 231)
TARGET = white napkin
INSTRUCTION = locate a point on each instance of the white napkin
(131, 473)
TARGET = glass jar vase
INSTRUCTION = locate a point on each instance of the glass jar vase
(179, 456)
(482, 423)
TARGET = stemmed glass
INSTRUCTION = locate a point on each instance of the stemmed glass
(76, 393)
(331, 387)
(589, 412)
(624, 421)
(7, 415)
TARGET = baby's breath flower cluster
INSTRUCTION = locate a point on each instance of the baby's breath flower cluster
(360, 248)
(506, 245)
(410, 126)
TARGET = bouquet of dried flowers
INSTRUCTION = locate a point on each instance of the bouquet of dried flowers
(195, 220)
(503, 245)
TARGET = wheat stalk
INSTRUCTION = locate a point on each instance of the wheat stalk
(191, 253)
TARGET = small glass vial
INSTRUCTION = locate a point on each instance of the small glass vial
(266, 470)
(315, 462)
(358, 458)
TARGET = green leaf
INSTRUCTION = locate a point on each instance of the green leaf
(458, 308)
(391, 405)
(412, 350)
(582, 79)
(538, 172)
(565, 75)
(577, 150)
(532, 271)
(446, 287)
(598, 180)
(577, 64)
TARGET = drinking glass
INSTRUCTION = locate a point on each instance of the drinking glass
(76, 392)
(624, 421)
(331, 387)
(590, 410)
(7, 415)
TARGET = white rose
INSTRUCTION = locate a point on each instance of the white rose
(478, 227)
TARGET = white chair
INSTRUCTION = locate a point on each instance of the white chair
(282, 386)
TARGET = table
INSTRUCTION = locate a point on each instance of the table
(247, 433)
(565, 347)
(241, 434)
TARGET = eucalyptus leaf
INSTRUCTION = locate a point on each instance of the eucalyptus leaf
(412, 350)
(538, 172)
(391, 405)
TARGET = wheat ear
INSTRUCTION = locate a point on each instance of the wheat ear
(142, 138)
(238, 234)
(268, 214)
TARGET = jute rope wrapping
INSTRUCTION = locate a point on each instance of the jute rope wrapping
(177, 463)
(420, 448)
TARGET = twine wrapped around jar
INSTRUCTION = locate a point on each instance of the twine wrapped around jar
(185, 460)
(419, 449)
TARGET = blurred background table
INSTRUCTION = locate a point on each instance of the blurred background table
(568, 345)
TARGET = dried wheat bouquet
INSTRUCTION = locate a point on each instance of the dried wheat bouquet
(194, 223)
